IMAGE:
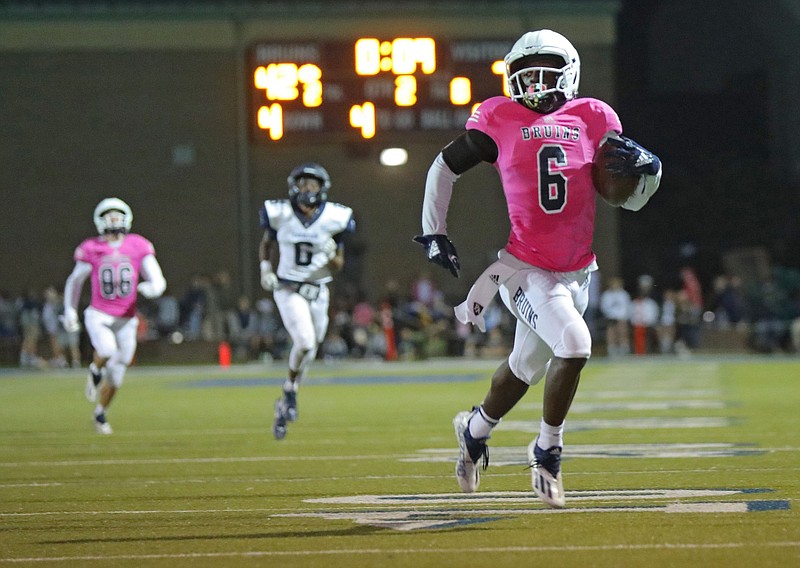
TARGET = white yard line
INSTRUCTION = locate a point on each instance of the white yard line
(409, 551)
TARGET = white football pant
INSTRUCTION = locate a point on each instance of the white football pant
(306, 321)
(549, 309)
(113, 338)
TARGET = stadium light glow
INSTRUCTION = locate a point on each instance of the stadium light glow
(394, 156)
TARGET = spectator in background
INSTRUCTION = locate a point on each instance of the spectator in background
(493, 343)
(644, 316)
(29, 309)
(692, 288)
(772, 312)
(193, 306)
(224, 305)
(341, 320)
(393, 317)
(272, 336)
(244, 329)
(666, 324)
(59, 339)
(376, 342)
(363, 318)
(51, 310)
(423, 289)
(213, 322)
(168, 315)
(687, 324)
(8, 315)
(728, 301)
(334, 347)
(794, 334)
(615, 305)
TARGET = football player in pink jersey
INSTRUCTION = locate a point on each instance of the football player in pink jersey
(542, 141)
(120, 264)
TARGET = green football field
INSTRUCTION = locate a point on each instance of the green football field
(667, 463)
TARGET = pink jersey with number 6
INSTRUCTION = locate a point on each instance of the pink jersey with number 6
(545, 165)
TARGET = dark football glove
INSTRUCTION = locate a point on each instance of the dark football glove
(440, 251)
(631, 159)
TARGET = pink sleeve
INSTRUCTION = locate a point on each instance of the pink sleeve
(149, 248)
(144, 246)
(482, 117)
(82, 252)
(602, 119)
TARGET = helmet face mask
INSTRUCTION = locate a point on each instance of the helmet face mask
(543, 71)
(113, 216)
(308, 191)
(301, 192)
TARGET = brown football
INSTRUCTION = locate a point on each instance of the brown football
(615, 190)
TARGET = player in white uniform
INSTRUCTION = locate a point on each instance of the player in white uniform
(115, 261)
(307, 232)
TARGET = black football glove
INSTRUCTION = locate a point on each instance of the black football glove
(440, 251)
(631, 159)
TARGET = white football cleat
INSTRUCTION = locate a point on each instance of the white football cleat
(92, 382)
(467, 471)
(90, 391)
(279, 425)
(101, 425)
(290, 401)
(546, 475)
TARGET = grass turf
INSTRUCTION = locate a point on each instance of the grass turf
(666, 463)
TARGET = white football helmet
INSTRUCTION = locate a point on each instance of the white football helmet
(112, 215)
(526, 83)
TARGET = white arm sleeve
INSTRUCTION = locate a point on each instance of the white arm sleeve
(72, 289)
(644, 191)
(438, 190)
(156, 284)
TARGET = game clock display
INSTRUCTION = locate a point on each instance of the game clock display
(370, 85)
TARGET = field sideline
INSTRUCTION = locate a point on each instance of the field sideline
(667, 463)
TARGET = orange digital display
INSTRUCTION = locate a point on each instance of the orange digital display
(370, 85)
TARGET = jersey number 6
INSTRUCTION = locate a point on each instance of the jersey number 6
(302, 253)
(552, 184)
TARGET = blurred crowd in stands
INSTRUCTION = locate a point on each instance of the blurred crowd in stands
(414, 320)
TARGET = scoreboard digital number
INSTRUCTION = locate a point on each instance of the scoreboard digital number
(370, 86)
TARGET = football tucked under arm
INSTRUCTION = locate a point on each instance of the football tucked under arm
(625, 174)
(615, 189)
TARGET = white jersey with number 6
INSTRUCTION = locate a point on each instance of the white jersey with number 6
(301, 239)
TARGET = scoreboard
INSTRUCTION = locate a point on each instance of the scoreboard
(369, 86)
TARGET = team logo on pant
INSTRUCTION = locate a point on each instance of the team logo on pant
(525, 309)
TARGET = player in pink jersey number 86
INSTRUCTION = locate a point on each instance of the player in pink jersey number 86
(120, 265)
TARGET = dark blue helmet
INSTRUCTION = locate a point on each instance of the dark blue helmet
(309, 170)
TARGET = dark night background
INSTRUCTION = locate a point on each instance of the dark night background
(699, 82)
(708, 86)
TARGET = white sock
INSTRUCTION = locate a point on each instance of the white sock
(99, 409)
(550, 436)
(290, 386)
(480, 425)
